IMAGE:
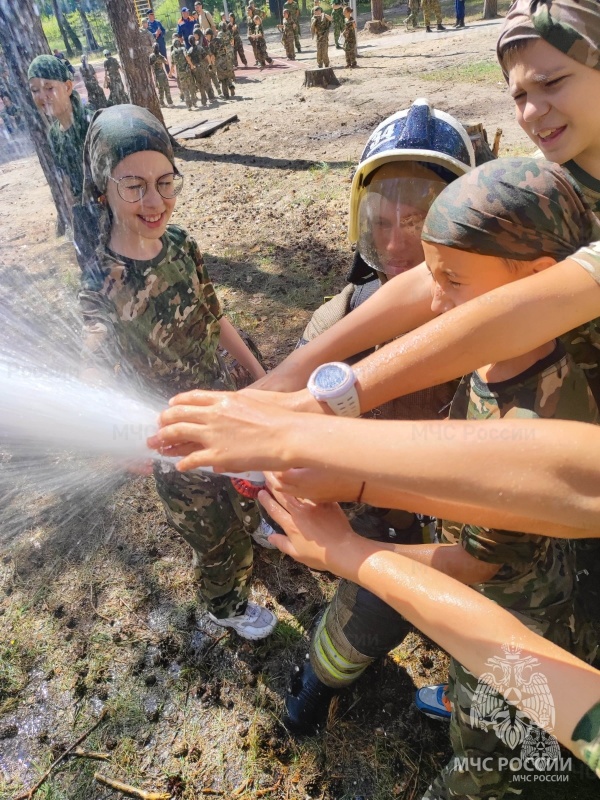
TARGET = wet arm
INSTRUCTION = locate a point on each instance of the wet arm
(446, 469)
(398, 306)
(233, 342)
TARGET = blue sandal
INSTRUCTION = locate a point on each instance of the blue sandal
(433, 701)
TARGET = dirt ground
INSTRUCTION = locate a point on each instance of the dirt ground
(98, 612)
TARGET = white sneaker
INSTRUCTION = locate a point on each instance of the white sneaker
(261, 535)
(255, 623)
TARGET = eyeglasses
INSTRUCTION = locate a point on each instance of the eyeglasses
(131, 188)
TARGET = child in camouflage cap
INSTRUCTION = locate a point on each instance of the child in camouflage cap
(503, 221)
(151, 312)
(549, 51)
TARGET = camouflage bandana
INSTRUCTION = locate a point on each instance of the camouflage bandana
(114, 134)
(48, 68)
(571, 26)
(520, 208)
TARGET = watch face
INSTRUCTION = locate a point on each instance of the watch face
(329, 377)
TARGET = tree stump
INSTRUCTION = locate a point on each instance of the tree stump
(376, 26)
(325, 76)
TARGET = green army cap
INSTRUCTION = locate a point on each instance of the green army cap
(571, 26)
(519, 208)
(48, 68)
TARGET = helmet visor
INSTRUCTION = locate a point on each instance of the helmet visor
(391, 213)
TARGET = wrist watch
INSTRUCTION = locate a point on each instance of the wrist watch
(334, 384)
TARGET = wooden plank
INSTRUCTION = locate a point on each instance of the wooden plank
(177, 129)
(207, 128)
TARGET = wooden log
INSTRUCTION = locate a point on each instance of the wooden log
(324, 77)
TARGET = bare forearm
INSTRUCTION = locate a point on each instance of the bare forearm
(471, 627)
(233, 342)
(477, 472)
(502, 324)
(450, 559)
(398, 306)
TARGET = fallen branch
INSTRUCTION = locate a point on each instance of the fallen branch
(268, 790)
(28, 795)
(79, 752)
(130, 791)
(241, 788)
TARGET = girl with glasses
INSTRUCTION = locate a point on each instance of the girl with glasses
(151, 315)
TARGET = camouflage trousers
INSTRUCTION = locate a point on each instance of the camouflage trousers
(203, 78)
(297, 36)
(226, 78)
(432, 7)
(485, 728)
(117, 94)
(254, 50)
(187, 87)
(351, 54)
(475, 770)
(216, 522)
(338, 27)
(287, 40)
(238, 50)
(323, 52)
(412, 19)
(212, 74)
(164, 91)
(261, 52)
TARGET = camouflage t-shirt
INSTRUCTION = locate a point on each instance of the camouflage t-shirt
(67, 145)
(583, 343)
(157, 320)
(536, 575)
(586, 738)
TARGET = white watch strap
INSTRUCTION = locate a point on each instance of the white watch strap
(347, 405)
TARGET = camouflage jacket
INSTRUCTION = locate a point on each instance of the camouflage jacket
(237, 39)
(112, 67)
(219, 49)
(197, 55)
(147, 37)
(536, 572)
(294, 10)
(349, 34)
(320, 27)
(586, 737)
(590, 186)
(178, 58)
(156, 321)
(337, 17)
(287, 28)
(157, 62)
(67, 145)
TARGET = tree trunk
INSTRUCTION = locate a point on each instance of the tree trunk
(87, 29)
(377, 9)
(63, 31)
(19, 52)
(72, 35)
(490, 9)
(133, 56)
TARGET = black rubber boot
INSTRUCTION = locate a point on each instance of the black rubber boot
(427, 28)
(440, 27)
(307, 704)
